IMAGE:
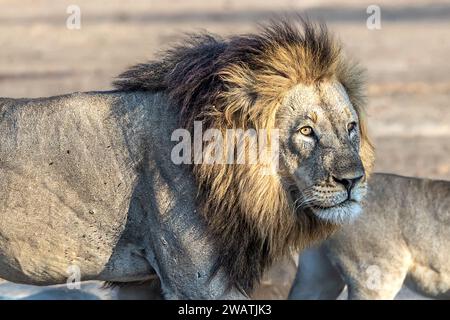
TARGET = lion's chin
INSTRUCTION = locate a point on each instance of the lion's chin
(342, 213)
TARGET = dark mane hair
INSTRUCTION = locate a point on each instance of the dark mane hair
(239, 82)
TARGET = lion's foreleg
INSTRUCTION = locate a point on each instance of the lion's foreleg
(316, 278)
(179, 250)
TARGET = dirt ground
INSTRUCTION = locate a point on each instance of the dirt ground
(407, 60)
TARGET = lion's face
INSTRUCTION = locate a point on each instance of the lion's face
(320, 151)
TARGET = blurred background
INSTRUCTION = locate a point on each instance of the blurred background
(407, 62)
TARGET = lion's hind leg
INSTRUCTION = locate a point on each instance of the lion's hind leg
(430, 282)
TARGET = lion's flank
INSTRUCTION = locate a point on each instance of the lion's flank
(240, 82)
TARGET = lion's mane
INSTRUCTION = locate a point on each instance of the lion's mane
(239, 82)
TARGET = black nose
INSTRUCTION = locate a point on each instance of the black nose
(348, 183)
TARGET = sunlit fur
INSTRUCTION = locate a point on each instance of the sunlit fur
(401, 238)
(240, 82)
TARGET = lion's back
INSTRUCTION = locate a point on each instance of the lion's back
(68, 166)
(414, 210)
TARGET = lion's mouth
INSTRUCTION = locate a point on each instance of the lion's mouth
(341, 213)
(337, 205)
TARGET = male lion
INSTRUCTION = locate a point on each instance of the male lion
(402, 236)
(87, 181)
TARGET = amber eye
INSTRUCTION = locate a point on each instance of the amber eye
(306, 131)
(351, 126)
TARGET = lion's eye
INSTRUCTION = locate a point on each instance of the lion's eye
(306, 131)
(351, 126)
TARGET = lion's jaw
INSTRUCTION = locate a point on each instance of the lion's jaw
(324, 163)
(329, 203)
(341, 211)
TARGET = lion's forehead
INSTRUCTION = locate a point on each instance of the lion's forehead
(335, 98)
(328, 99)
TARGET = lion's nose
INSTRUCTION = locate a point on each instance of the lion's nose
(348, 183)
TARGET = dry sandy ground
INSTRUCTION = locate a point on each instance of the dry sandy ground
(407, 61)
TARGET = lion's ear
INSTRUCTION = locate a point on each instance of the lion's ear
(367, 150)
